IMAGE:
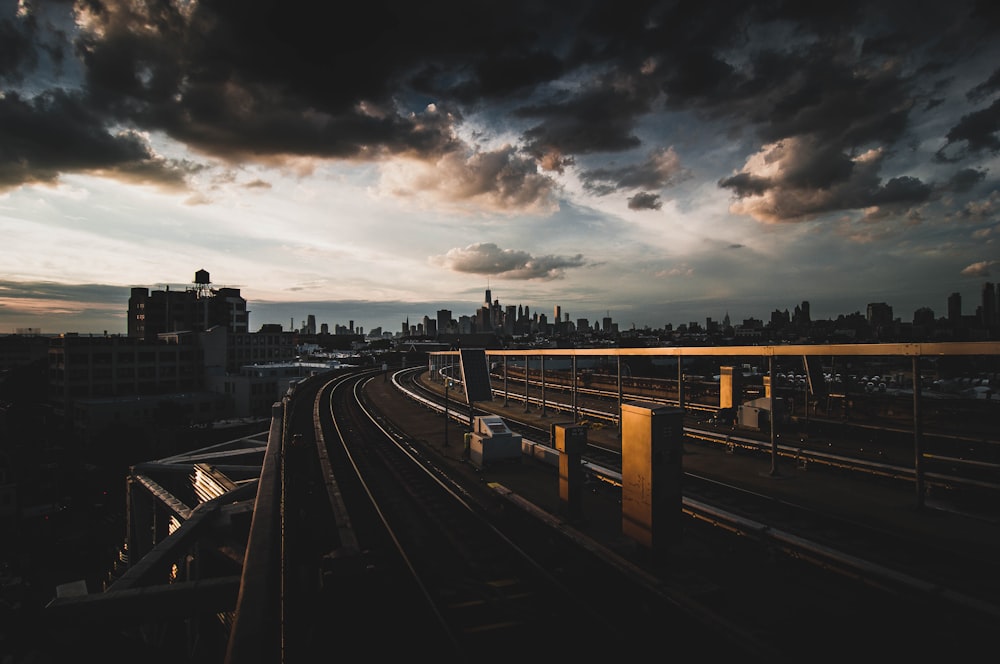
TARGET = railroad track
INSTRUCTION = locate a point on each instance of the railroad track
(432, 564)
(853, 576)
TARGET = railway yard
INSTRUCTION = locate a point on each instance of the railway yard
(867, 532)
(779, 561)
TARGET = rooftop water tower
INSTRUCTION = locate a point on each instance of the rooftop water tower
(202, 283)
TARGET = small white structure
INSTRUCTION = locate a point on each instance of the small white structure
(757, 414)
(492, 441)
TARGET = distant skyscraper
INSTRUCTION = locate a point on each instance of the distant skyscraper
(879, 316)
(803, 313)
(955, 307)
(443, 320)
(989, 304)
(484, 319)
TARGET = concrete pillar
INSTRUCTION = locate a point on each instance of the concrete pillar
(730, 387)
(570, 441)
(652, 448)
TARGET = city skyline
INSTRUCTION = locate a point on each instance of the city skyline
(660, 163)
(297, 320)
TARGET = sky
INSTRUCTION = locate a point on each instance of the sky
(655, 162)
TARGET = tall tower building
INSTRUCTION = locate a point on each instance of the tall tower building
(443, 320)
(484, 321)
(879, 317)
(989, 304)
(955, 307)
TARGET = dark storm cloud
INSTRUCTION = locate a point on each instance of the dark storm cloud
(660, 170)
(966, 179)
(645, 201)
(17, 52)
(266, 80)
(824, 111)
(902, 190)
(263, 78)
(600, 119)
(800, 186)
(56, 131)
(985, 89)
(488, 259)
(980, 130)
(745, 184)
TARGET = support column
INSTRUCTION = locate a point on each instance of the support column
(570, 441)
(652, 451)
(772, 417)
(619, 396)
(730, 387)
(680, 382)
(526, 383)
(541, 359)
(576, 415)
(918, 445)
(504, 381)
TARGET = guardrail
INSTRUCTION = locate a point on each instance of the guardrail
(255, 636)
(802, 456)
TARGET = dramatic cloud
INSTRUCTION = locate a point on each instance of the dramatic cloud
(791, 181)
(966, 179)
(816, 137)
(661, 170)
(980, 130)
(55, 132)
(645, 201)
(489, 259)
(501, 181)
(980, 269)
